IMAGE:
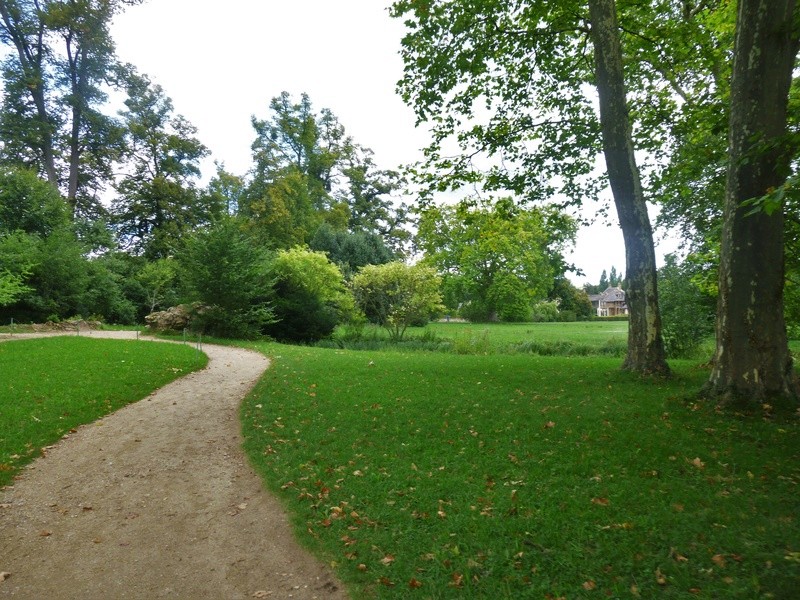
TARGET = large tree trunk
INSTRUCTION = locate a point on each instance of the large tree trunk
(645, 344)
(752, 360)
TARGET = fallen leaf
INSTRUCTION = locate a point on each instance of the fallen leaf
(719, 560)
(387, 560)
(589, 585)
(699, 463)
(362, 567)
(386, 581)
(4, 575)
(261, 594)
(600, 501)
(661, 579)
(45, 533)
(677, 555)
(549, 425)
(457, 580)
(414, 583)
(694, 590)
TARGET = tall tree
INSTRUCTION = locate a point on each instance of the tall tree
(27, 123)
(298, 155)
(526, 66)
(752, 360)
(495, 258)
(308, 171)
(158, 202)
(51, 118)
(645, 342)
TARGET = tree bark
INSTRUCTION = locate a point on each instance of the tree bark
(752, 362)
(645, 343)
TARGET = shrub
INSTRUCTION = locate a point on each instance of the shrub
(396, 295)
(310, 296)
(544, 312)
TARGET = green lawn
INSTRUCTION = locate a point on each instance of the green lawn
(516, 476)
(51, 385)
(576, 339)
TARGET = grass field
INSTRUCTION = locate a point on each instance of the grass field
(435, 475)
(51, 385)
(576, 339)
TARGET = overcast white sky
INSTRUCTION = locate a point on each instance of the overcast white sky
(222, 62)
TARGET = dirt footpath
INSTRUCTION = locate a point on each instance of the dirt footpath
(156, 501)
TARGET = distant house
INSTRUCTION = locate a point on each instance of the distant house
(610, 303)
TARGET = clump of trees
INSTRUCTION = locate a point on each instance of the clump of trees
(496, 259)
(102, 214)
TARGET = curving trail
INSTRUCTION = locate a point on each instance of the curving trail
(157, 501)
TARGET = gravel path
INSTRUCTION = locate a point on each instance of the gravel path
(156, 501)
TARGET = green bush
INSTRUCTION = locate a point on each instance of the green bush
(544, 312)
(687, 314)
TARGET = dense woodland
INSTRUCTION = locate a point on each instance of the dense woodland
(103, 214)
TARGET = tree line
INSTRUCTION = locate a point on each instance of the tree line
(102, 213)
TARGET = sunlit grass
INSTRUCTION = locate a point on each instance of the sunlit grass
(51, 385)
(513, 476)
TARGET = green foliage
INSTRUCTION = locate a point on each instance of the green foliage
(157, 203)
(350, 251)
(496, 259)
(310, 296)
(11, 287)
(544, 312)
(106, 294)
(396, 295)
(56, 78)
(54, 269)
(158, 280)
(29, 204)
(308, 172)
(573, 303)
(226, 272)
(687, 313)
(50, 386)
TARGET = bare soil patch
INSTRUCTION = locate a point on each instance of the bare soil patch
(157, 501)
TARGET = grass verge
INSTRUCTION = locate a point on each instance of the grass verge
(512, 476)
(52, 385)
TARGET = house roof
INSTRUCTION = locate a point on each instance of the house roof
(612, 294)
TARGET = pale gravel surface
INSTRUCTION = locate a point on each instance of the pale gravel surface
(157, 501)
